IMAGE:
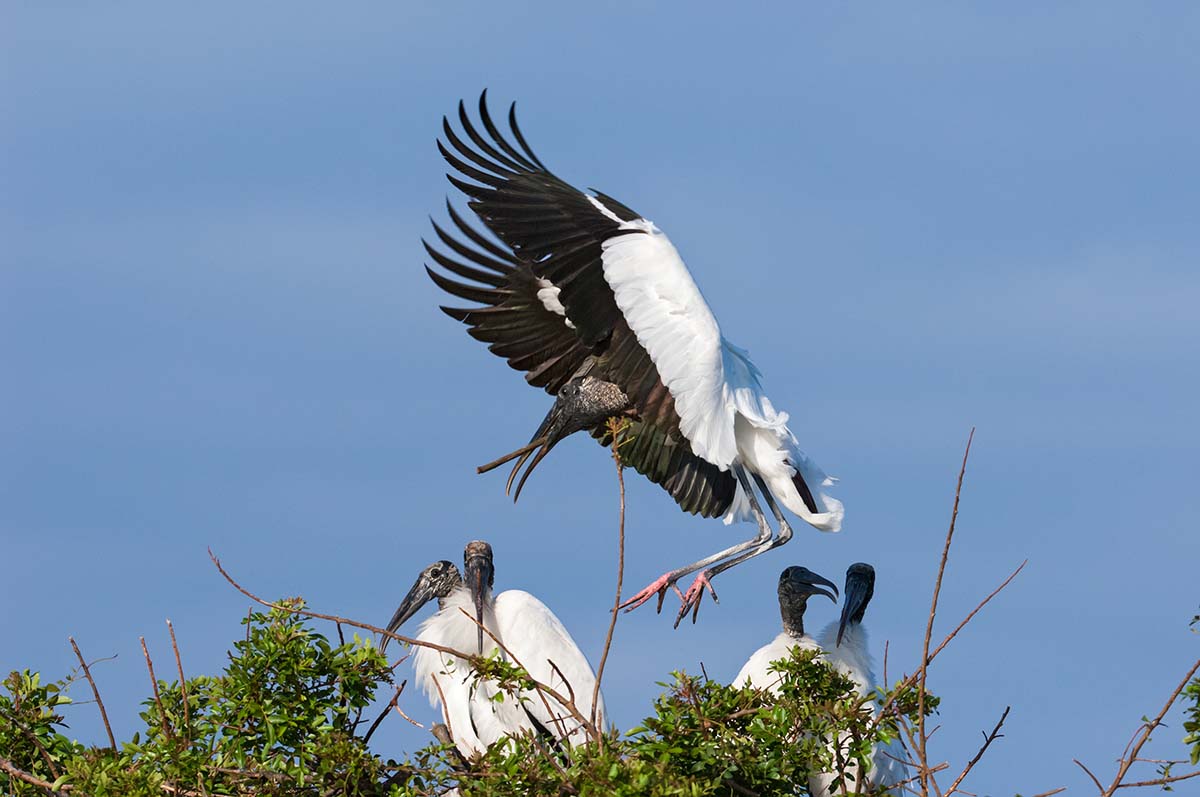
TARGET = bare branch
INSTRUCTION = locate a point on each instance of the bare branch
(926, 781)
(1089, 774)
(987, 742)
(387, 710)
(1160, 781)
(1051, 792)
(187, 715)
(162, 715)
(87, 672)
(615, 428)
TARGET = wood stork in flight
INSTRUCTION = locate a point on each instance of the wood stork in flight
(796, 585)
(528, 630)
(594, 304)
(847, 650)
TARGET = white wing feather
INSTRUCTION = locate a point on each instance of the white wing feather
(723, 411)
(475, 719)
(536, 637)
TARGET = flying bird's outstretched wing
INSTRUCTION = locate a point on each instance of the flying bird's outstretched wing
(548, 306)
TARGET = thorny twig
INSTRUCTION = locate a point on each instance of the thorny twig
(87, 673)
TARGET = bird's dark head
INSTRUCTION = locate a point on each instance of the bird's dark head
(796, 585)
(581, 403)
(860, 586)
(480, 572)
(436, 581)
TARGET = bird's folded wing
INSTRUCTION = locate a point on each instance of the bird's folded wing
(537, 639)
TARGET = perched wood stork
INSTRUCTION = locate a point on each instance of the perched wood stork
(528, 630)
(847, 650)
(594, 304)
(796, 585)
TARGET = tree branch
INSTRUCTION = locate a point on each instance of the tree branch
(87, 673)
(615, 428)
(926, 780)
(987, 742)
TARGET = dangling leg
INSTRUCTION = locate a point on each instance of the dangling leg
(695, 593)
(667, 580)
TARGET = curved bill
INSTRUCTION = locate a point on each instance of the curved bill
(544, 439)
(420, 594)
(815, 584)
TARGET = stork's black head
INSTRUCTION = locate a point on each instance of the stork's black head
(581, 403)
(796, 585)
(860, 586)
(480, 572)
(436, 581)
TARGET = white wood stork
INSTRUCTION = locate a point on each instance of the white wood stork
(528, 630)
(796, 585)
(594, 304)
(847, 650)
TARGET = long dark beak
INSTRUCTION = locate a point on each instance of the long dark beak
(547, 435)
(420, 594)
(858, 592)
(479, 577)
(815, 582)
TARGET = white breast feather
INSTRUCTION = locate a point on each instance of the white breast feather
(757, 669)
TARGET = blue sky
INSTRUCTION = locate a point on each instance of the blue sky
(216, 331)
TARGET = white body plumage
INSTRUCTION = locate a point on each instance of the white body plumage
(757, 672)
(535, 637)
(723, 411)
(853, 659)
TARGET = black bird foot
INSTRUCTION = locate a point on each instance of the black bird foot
(660, 586)
(694, 596)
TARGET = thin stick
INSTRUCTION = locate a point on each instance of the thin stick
(1051, 792)
(187, 715)
(987, 742)
(407, 718)
(387, 710)
(87, 672)
(1159, 781)
(1089, 774)
(162, 715)
(912, 679)
(616, 610)
(937, 589)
